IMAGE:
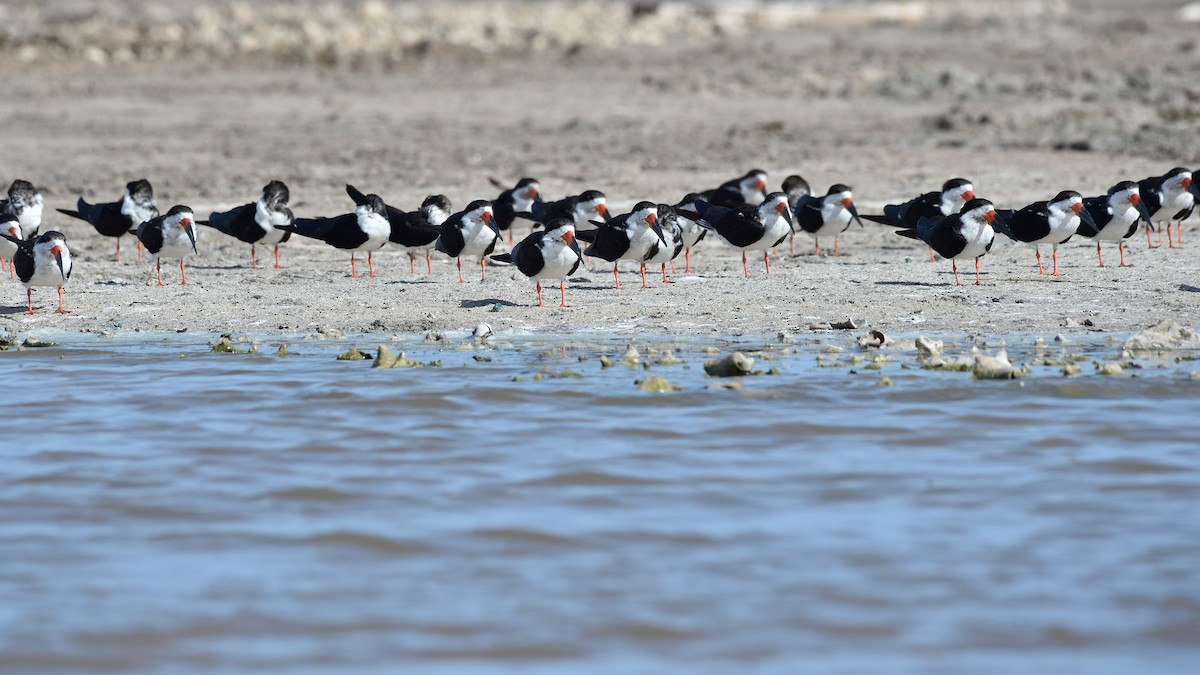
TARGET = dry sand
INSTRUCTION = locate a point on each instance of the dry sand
(1072, 96)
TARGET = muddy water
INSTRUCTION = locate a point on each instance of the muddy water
(166, 509)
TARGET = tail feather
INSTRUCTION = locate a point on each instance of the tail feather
(586, 235)
(910, 233)
(73, 214)
(882, 220)
(358, 197)
(502, 258)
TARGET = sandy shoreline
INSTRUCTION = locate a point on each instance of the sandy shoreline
(889, 110)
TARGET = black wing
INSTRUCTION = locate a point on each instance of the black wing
(237, 222)
(150, 234)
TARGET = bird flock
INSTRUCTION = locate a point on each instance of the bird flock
(953, 222)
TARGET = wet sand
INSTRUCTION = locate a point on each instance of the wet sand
(1025, 106)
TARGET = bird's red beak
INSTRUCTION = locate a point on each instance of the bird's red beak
(968, 195)
(486, 217)
(781, 207)
(186, 223)
(1134, 199)
(1077, 208)
(651, 218)
(847, 202)
(569, 237)
(533, 192)
(989, 216)
(761, 184)
(1186, 182)
(58, 249)
(601, 209)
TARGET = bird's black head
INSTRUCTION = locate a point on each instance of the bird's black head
(1066, 196)
(375, 204)
(276, 192)
(1177, 171)
(140, 190)
(954, 184)
(794, 183)
(837, 188)
(591, 195)
(642, 205)
(20, 188)
(525, 182)
(975, 204)
(178, 209)
(1122, 187)
(440, 202)
(476, 205)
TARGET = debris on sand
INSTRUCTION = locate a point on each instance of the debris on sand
(657, 384)
(353, 355)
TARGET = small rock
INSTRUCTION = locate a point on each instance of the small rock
(873, 340)
(435, 336)
(282, 352)
(885, 382)
(996, 367)
(353, 355)
(631, 357)
(480, 358)
(848, 324)
(732, 365)
(605, 362)
(482, 330)
(1165, 335)
(656, 384)
(1071, 370)
(1110, 369)
(1061, 339)
(928, 347)
(784, 337)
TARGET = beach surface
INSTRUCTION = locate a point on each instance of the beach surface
(1045, 97)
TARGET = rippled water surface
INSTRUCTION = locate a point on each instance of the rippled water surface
(167, 509)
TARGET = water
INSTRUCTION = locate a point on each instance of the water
(239, 513)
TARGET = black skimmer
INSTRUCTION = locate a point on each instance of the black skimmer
(416, 231)
(966, 234)
(829, 215)
(690, 231)
(42, 261)
(547, 254)
(114, 219)
(1050, 222)
(750, 189)
(795, 187)
(11, 228)
(581, 209)
(1167, 197)
(665, 251)
(26, 203)
(472, 231)
(1114, 217)
(367, 229)
(749, 228)
(628, 236)
(257, 222)
(171, 235)
(518, 200)
(955, 193)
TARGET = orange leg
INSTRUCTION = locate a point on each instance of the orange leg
(1121, 250)
(412, 264)
(277, 266)
(428, 263)
(792, 245)
(538, 286)
(767, 261)
(1099, 256)
(1170, 239)
(954, 268)
(562, 289)
(61, 308)
(687, 261)
(745, 270)
(158, 270)
(1054, 255)
(370, 265)
(510, 238)
(643, 270)
(1038, 253)
(182, 273)
(673, 266)
(664, 271)
(1150, 244)
(461, 280)
(139, 247)
(118, 249)
(835, 247)
(818, 248)
(1179, 233)
(977, 271)
(483, 268)
(253, 258)
(616, 276)
(353, 271)
(29, 300)
(932, 257)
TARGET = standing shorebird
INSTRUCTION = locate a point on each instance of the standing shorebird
(42, 261)
(472, 231)
(258, 222)
(1114, 217)
(749, 228)
(547, 254)
(26, 204)
(115, 219)
(966, 234)
(1050, 222)
(171, 235)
